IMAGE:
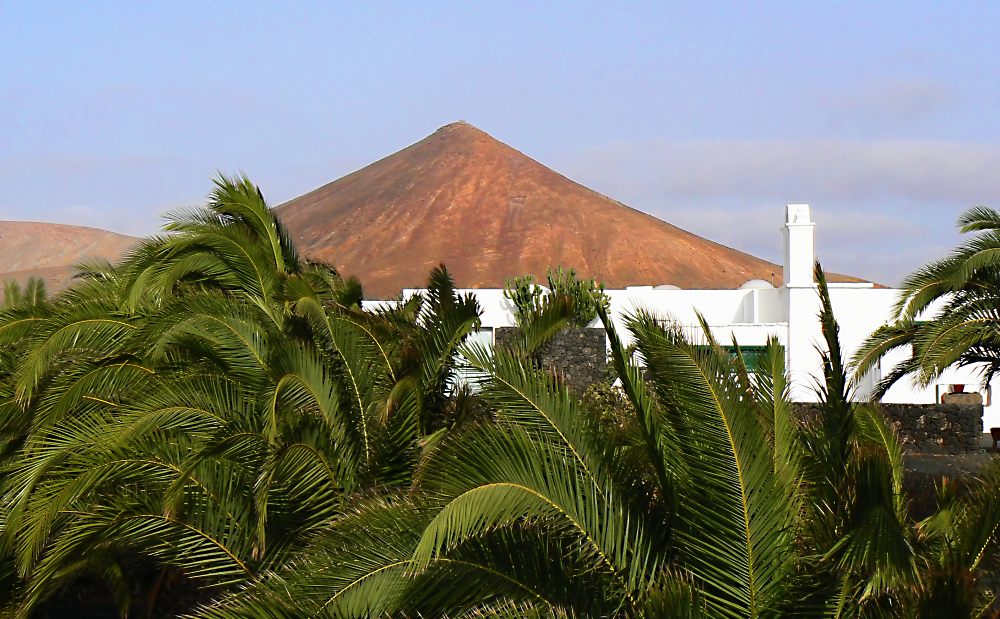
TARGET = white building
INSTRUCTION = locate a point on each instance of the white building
(757, 310)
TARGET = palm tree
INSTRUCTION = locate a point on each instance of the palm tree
(421, 335)
(949, 312)
(718, 502)
(215, 421)
(199, 409)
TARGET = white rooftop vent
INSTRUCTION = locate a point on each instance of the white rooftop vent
(666, 287)
(756, 284)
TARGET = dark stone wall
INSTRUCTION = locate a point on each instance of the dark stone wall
(931, 428)
(577, 355)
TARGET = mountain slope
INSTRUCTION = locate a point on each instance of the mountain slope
(50, 250)
(488, 212)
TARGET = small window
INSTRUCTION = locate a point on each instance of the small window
(754, 357)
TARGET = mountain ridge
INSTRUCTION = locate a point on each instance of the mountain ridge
(488, 212)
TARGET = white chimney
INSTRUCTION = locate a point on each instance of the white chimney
(800, 251)
(802, 359)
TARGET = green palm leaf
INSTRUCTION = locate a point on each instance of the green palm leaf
(736, 534)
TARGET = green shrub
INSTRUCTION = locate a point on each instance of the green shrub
(586, 295)
(609, 407)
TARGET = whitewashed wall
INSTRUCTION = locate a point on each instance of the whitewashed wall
(789, 313)
(751, 316)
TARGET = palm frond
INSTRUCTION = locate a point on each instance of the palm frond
(736, 519)
(496, 476)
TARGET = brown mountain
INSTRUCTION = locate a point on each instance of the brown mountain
(488, 212)
(50, 250)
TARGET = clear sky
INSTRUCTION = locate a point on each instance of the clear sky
(710, 115)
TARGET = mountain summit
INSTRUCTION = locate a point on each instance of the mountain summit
(488, 212)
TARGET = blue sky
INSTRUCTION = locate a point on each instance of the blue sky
(710, 115)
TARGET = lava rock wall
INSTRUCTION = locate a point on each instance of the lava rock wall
(578, 356)
(930, 428)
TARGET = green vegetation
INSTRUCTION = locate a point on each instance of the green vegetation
(186, 420)
(962, 292)
(214, 427)
(33, 293)
(586, 297)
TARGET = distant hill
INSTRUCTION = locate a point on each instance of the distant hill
(488, 212)
(50, 250)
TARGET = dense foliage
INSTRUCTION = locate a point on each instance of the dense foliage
(585, 296)
(15, 295)
(215, 427)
